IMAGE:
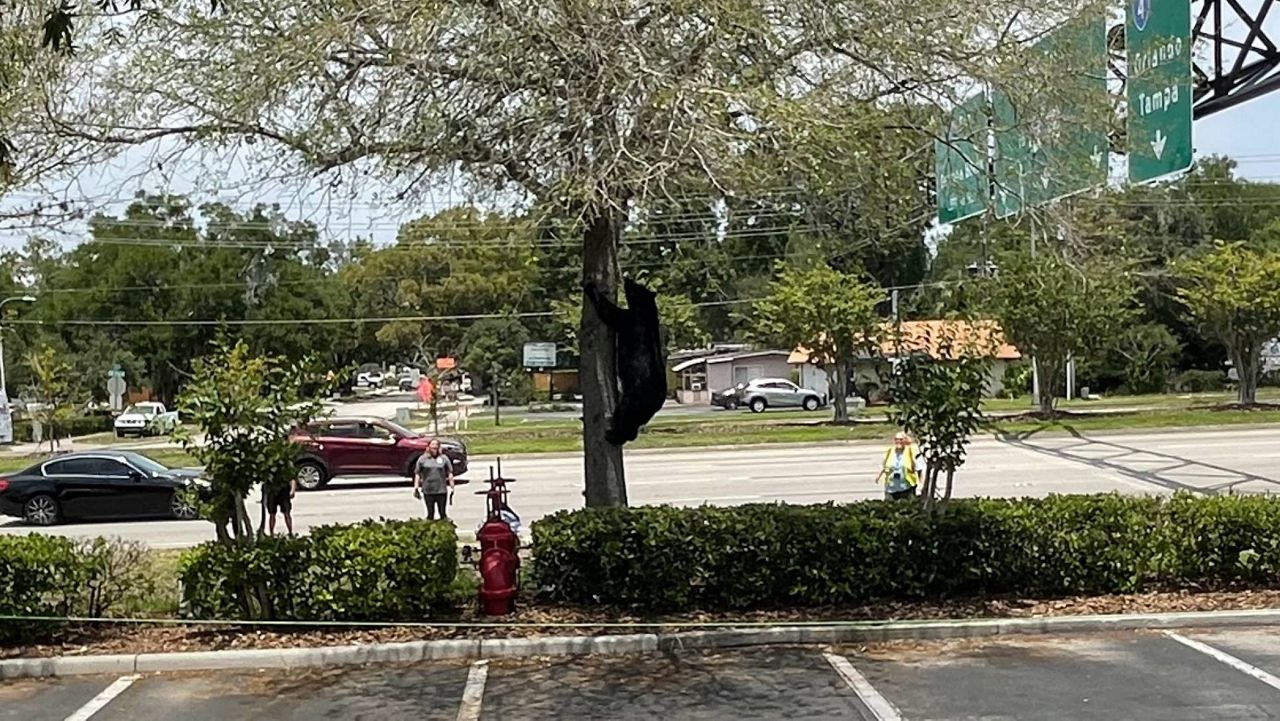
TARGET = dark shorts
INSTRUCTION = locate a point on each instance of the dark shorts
(279, 502)
(899, 495)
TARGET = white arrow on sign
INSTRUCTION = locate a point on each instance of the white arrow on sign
(1158, 144)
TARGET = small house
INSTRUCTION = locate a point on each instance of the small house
(912, 338)
(698, 373)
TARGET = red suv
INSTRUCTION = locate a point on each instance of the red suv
(364, 447)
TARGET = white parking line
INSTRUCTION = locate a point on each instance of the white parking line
(473, 692)
(97, 703)
(878, 705)
(1246, 668)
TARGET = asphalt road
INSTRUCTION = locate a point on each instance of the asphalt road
(1133, 676)
(1220, 461)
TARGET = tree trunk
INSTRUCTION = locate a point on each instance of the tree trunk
(1050, 374)
(1245, 360)
(951, 479)
(929, 485)
(605, 480)
(838, 382)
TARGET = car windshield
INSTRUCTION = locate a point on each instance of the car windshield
(399, 430)
(142, 409)
(147, 465)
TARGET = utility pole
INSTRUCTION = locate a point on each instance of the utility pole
(495, 394)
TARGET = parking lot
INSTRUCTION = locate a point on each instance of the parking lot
(1139, 676)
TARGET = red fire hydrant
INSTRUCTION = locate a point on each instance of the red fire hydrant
(499, 551)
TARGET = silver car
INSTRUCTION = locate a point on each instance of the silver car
(764, 393)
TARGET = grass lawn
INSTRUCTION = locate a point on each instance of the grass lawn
(777, 430)
(175, 457)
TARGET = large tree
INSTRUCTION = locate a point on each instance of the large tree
(459, 262)
(1233, 294)
(153, 283)
(587, 106)
(1052, 309)
(831, 315)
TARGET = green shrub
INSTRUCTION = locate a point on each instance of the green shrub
(375, 570)
(1200, 381)
(39, 575)
(54, 576)
(759, 556)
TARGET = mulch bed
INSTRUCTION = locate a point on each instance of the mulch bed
(142, 638)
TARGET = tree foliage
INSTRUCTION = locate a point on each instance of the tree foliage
(52, 391)
(456, 263)
(831, 315)
(937, 399)
(239, 411)
(1053, 309)
(590, 107)
(1233, 293)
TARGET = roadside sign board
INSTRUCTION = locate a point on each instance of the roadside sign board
(960, 162)
(1054, 144)
(6, 419)
(1158, 49)
(116, 388)
(539, 355)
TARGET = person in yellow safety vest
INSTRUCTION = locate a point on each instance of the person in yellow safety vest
(901, 469)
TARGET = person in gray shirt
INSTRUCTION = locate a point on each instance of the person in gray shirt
(433, 480)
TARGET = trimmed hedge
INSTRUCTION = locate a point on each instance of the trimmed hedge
(375, 570)
(759, 556)
(80, 426)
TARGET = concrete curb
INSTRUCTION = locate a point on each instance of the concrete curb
(414, 651)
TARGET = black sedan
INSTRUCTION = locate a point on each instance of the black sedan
(99, 485)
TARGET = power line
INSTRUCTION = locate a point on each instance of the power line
(321, 321)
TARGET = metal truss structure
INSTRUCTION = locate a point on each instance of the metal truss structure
(1235, 59)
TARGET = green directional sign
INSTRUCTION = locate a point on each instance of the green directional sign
(1158, 46)
(960, 162)
(1054, 144)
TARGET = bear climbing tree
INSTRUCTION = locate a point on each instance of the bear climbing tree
(639, 355)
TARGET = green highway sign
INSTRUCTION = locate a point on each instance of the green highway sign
(1158, 47)
(960, 162)
(1054, 144)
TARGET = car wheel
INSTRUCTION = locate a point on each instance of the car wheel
(311, 476)
(119, 434)
(732, 405)
(41, 510)
(183, 505)
(811, 404)
(758, 405)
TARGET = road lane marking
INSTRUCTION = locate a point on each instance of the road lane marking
(1247, 669)
(108, 694)
(878, 705)
(473, 692)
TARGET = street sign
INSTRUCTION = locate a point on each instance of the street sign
(539, 355)
(1052, 145)
(1158, 49)
(960, 162)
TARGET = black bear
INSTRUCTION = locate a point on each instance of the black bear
(640, 356)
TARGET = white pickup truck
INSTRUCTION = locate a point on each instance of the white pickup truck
(143, 419)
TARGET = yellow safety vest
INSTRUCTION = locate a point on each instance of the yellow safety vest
(908, 466)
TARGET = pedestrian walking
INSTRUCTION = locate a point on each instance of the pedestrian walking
(900, 471)
(433, 480)
(280, 499)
